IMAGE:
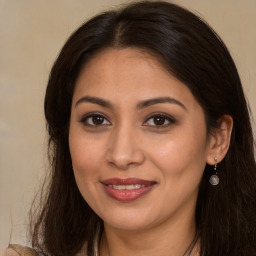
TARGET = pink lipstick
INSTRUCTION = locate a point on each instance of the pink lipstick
(126, 190)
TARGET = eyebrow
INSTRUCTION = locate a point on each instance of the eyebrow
(94, 100)
(154, 101)
(140, 105)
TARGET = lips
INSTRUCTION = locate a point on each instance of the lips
(126, 190)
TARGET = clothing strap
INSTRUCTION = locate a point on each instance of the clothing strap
(23, 250)
(192, 245)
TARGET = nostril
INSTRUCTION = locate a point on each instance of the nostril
(125, 161)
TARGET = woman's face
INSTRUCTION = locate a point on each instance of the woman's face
(137, 139)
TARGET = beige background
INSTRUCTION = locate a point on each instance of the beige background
(31, 34)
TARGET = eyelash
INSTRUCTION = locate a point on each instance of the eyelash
(85, 119)
(166, 118)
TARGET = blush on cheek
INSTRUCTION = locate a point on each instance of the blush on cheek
(179, 161)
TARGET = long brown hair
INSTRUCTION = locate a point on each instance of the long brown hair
(192, 52)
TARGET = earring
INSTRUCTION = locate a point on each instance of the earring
(214, 179)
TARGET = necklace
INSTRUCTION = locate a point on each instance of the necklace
(192, 245)
(187, 253)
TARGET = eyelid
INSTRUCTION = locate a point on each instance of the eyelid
(163, 115)
(171, 120)
(93, 114)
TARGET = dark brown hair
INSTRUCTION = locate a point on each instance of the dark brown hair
(192, 52)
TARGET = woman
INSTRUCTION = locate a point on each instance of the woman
(150, 141)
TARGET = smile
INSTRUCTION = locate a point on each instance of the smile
(126, 190)
(127, 187)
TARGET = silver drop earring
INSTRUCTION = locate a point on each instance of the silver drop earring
(214, 179)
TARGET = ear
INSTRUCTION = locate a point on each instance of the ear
(219, 140)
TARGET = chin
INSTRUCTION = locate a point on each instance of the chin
(130, 220)
(127, 225)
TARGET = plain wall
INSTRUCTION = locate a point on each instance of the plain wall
(31, 35)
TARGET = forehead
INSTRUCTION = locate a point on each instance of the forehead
(125, 74)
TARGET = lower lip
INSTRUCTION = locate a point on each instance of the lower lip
(127, 195)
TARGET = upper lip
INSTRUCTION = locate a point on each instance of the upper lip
(128, 181)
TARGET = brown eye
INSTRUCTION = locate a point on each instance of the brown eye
(159, 120)
(95, 120)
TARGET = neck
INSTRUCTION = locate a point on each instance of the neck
(171, 238)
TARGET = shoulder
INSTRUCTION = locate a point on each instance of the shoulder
(18, 250)
(8, 252)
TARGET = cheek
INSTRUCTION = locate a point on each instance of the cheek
(181, 155)
(181, 166)
(85, 155)
(86, 164)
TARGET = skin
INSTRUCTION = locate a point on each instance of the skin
(128, 142)
(8, 252)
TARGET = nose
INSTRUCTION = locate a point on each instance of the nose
(124, 149)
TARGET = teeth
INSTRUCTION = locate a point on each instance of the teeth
(127, 187)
